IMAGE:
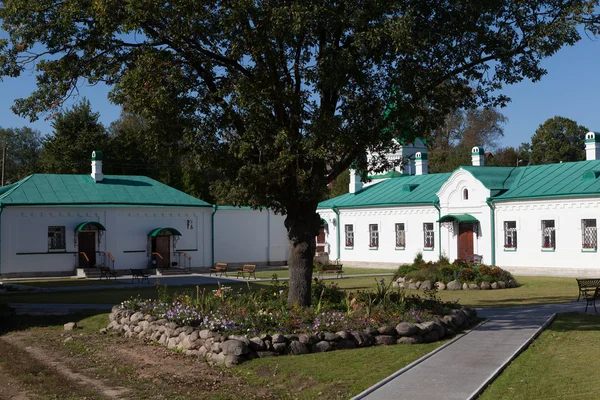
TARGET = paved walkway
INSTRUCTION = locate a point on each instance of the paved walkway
(463, 368)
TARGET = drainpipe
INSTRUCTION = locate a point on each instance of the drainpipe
(493, 219)
(212, 237)
(436, 204)
(339, 227)
(1, 209)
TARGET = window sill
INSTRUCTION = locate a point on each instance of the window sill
(589, 250)
(510, 249)
(548, 249)
(399, 247)
(373, 248)
(349, 248)
(427, 248)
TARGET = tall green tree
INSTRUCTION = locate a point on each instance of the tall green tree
(558, 139)
(76, 133)
(340, 185)
(286, 95)
(22, 147)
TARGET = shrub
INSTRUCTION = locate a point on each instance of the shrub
(444, 260)
(404, 270)
(418, 260)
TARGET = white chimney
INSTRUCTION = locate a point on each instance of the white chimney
(355, 182)
(478, 156)
(97, 165)
(592, 146)
(421, 167)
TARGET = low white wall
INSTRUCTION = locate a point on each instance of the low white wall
(243, 235)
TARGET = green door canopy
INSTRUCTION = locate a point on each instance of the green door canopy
(157, 231)
(458, 218)
(88, 225)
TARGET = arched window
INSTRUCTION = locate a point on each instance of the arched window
(465, 194)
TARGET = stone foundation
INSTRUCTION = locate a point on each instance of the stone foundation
(454, 285)
(231, 350)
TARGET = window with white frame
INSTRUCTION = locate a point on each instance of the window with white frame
(548, 234)
(510, 234)
(400, 235)
(589, 234)
(56, 238)
(373, 235)
(428, 235)
(349, 232)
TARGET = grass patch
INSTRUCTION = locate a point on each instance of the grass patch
(36, 377)
(333, 375)
(533, 290)
(53, 283)
(561, 364)
(285, 273)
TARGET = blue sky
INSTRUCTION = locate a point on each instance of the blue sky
(570, 89)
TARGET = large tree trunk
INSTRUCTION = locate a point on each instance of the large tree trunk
(302, 230)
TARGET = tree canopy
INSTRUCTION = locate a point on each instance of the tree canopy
(22, 152)
(283, 96)
(558, 139)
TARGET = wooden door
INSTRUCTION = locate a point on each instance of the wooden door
(163, 247)
(87, 245)
(321, 240)
(465, 241)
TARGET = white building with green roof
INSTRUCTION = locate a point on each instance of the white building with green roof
(538, 219)
(53, 224)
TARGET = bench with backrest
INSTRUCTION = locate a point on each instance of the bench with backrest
(587, 285)
(332, 269)
(140, 274)
(249, 269)
(590, 297)
(219, 268)
(474, 258)
(106, 272)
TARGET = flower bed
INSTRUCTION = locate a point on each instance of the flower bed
(458, 275)
(228, 327)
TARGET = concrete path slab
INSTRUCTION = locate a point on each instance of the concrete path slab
(462, 369)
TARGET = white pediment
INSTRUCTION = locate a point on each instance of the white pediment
(462, 190)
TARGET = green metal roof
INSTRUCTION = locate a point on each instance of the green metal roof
(572, 179)
(157, 231)
(95, 224)
(403, 190)
(49, 189)
(458, 218)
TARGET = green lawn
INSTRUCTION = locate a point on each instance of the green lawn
(563, 363)
(284, 272)
(336, 375)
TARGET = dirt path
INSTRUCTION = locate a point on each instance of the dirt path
(49, 359)
(10, 388)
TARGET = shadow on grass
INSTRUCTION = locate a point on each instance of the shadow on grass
(519, 302)
(576, 321)
(15, 323)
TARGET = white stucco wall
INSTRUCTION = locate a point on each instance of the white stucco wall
(386, 218)
(250, 236)
(24, 246)
(568, 258)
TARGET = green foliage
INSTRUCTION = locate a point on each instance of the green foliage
(558, 139)
(340, 185)
(443, 271)
(22, 152)
(281, 98)
(418, 261)
(403, 270)
(444, 260)
(77, 132)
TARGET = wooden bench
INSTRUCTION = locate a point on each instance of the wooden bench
(591, 297)
(220, 268)
(332, 269)
(139, 274)
(474, 258)
(587, 285)
(106, 272)
(249, 269)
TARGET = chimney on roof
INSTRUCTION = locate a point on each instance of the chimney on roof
(478, 156)
(355, 182)
(421, 167)
(592, 146)
(97, 166)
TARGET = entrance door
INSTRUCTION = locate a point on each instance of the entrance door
(87, 245)
(163, 247)
(465, 241)
(321, 240)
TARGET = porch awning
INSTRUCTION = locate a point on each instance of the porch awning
(90, 224)
(157, 231)
(458, 218)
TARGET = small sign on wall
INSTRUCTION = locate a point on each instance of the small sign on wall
(190, 224)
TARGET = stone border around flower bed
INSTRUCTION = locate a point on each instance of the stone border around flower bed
(453, 285)
(231, 350)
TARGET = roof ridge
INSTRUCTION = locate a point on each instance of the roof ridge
(16, 186)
